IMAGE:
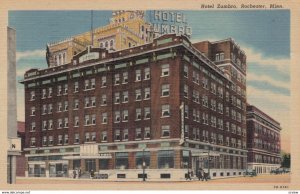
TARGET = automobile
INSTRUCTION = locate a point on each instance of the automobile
(250, 172)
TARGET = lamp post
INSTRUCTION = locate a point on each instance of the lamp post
(144, 165)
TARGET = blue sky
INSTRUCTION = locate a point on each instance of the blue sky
(263, 34)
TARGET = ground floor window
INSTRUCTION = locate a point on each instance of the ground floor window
(36, 170)
(165, 159)
(140, 157)
(90, 164)
(121, 160)
(58, 170)
(185, 158)
(103, 164)
(76, 164)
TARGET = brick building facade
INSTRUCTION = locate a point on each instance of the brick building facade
(171, 104)
(263, 141)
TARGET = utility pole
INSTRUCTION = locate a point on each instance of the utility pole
(144, 165)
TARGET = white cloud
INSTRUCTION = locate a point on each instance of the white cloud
(281, 64)
(255, 77)
(31, 53)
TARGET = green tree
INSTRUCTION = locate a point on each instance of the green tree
(286, 160)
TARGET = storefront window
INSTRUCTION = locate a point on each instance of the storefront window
(103, 164)
(166, 159)
(139, 158)
(122, 160)
(90, 165)
(76, 164)
(58, 170)
(36, 170)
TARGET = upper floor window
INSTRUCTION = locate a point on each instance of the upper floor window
(138, 95)
(117, 79)
(138, 76)
(147, 93)
(165, 70)
(75, 86)
(103, 83)
(165, 90)
(147, 73)
(165, 131)
(125, 77)
(32, 95)
(165, 110)
(33, 111)
(186, 71)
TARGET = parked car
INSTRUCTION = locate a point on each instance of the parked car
(250, 172)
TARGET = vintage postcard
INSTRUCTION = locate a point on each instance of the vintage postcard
(169, 96)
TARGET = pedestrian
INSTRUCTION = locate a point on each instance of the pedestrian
(188, 175)
(79, 172)
(74, 174)
(92, 174)
(200, 174)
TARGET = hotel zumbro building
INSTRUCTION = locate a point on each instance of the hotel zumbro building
(263, 141)
(170, 103)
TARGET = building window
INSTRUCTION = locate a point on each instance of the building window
(50, 140)
(147, 133)
(165, 70)
(93, 119)
(44, 142)
(147, 93)
(66, 139)
(103, 83)
(50, 108)
(93, 134)
(205, 118)
(196, 96)
(147, 113)
(213, 104)
(104, 118)
(185, 91)
(205, 101)
(103, 101)
(165, 159)
(76, 138)
(138, 133)
(76, 88)
(141, 157)
(44, 126)
(125, 135)
(117, 98)
(44, 109)
(117, 117)
(165, 131)
(125, 77)
(76, 121)
(117, 79)
(186, 111)
(32, 111)
(50, 124)
(87, 137)
(66, 89)
(59, 107)
(59, 90)
(138, 95)
(186, 71)
(66, 105)
(87, 119)
(93, 99)
(59, 123)
(33, 126)
(125, 115)
(86, 84)
(32, 142)
(93, 83)
(60, 140)
(86, 102)
(165, 110)
(138, 76)
(49, 92)
(66, 122)
(44, 93)
(147, 73)
(117, 135)
(121, 160)
(138, 114)
(196, 77)
(220, 92)
(32, 95)
(125, 97)
(165, 90)
(205, 83)
(221, 56)
(104, 136)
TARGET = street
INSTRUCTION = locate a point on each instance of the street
(261, 180)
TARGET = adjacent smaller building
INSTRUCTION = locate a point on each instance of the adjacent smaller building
(263, 140)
